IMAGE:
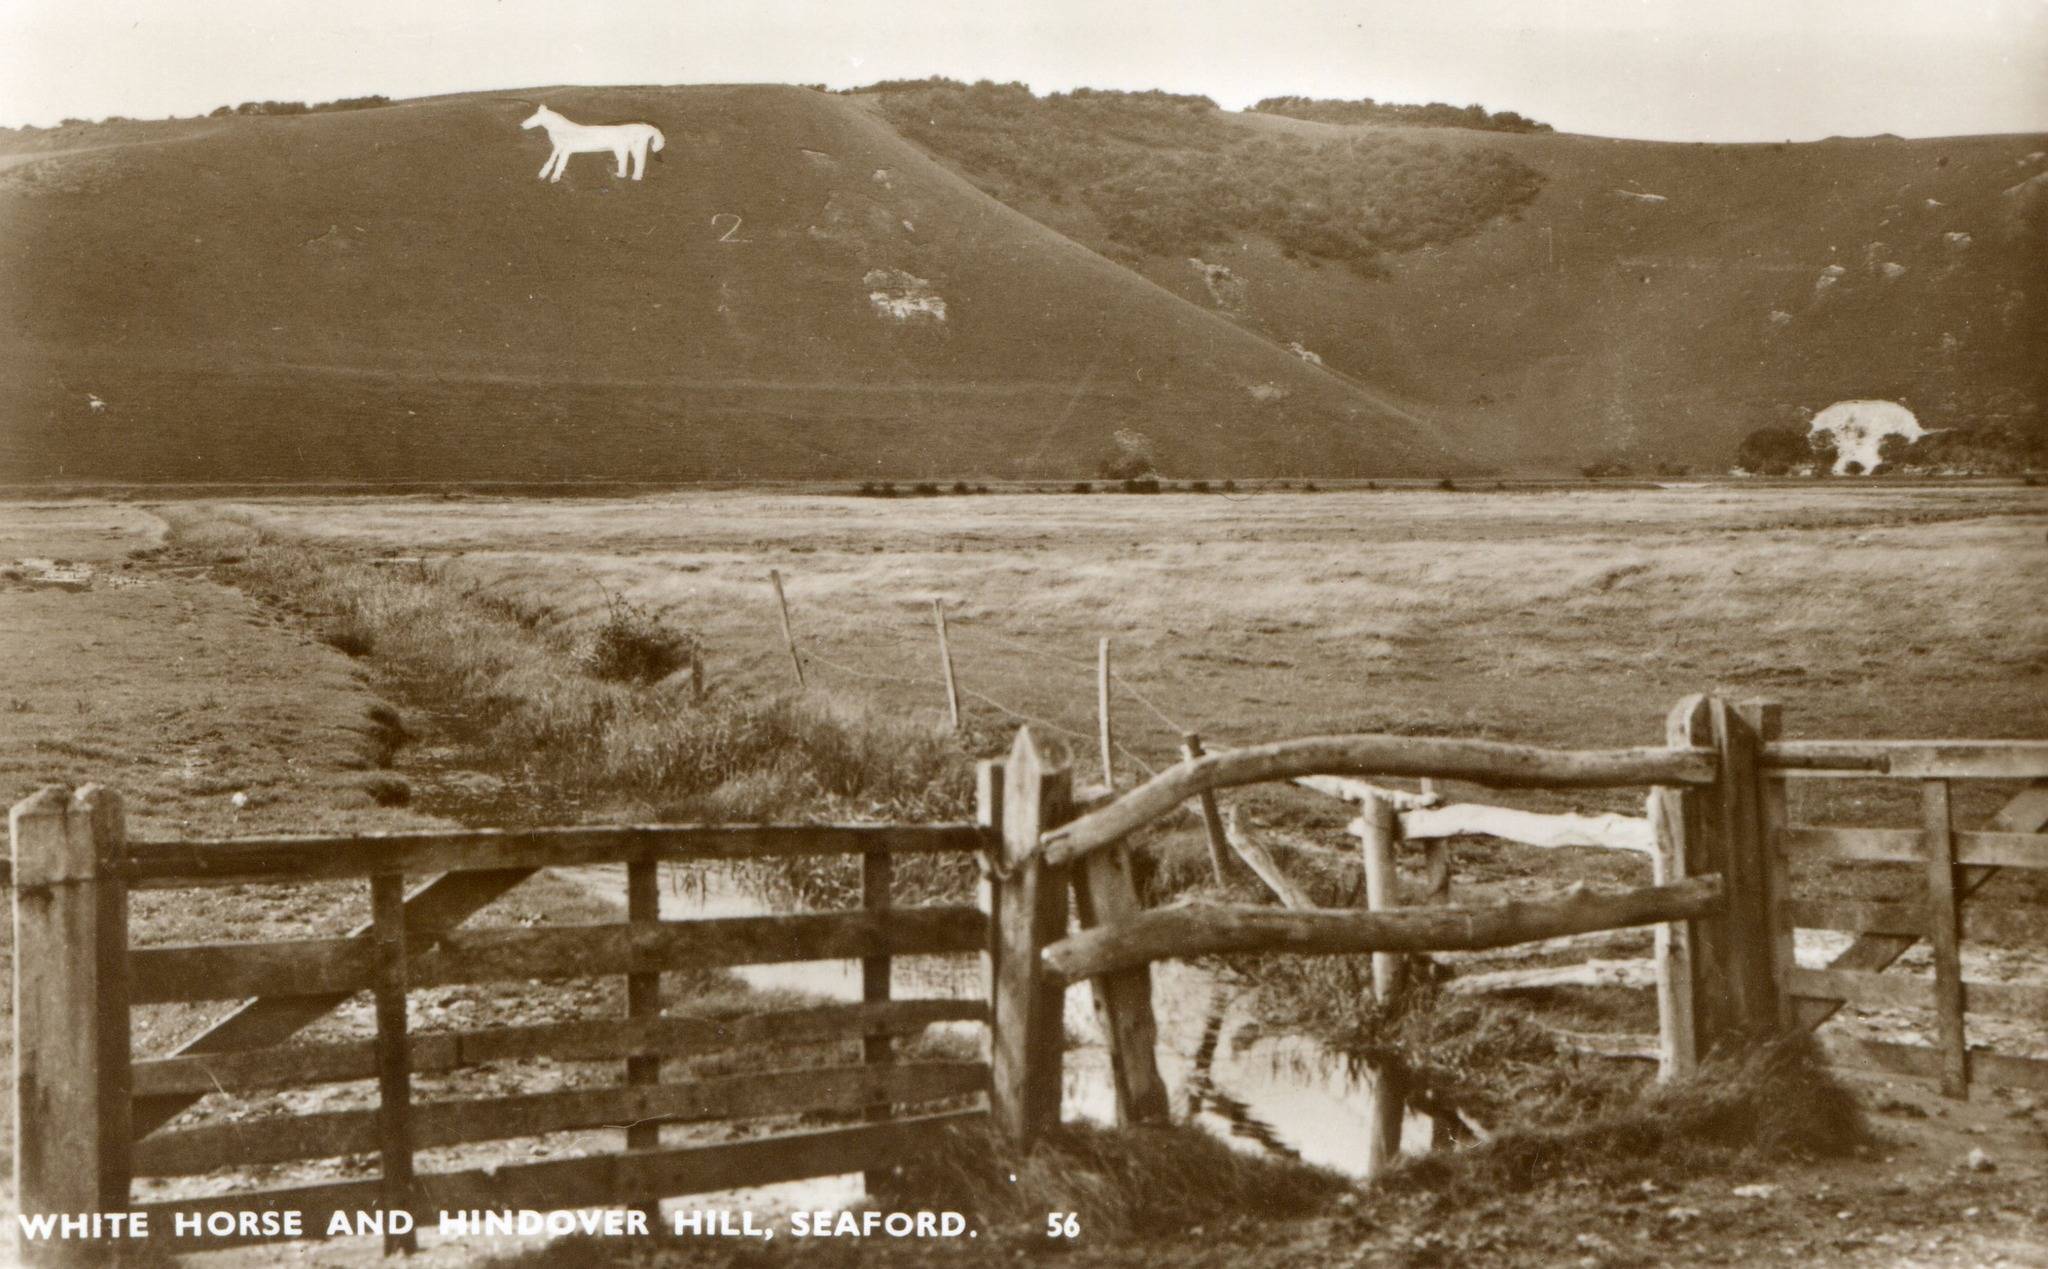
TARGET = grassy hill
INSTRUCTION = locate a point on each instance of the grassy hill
(1652, 303)
(391, 294)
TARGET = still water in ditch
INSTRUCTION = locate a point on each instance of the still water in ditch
(1263, 1091)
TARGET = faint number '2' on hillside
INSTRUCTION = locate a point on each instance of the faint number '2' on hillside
(570, 137)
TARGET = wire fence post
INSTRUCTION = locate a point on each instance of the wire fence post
(1212, 818)
(789, 639)
(946, 664)
(1102, 709)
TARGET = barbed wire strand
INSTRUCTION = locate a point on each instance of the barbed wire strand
(908, 635)
(983, 697)
(1178, 728)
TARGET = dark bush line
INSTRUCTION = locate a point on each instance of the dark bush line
(370, 102)
(923, 489)
(1436, 114)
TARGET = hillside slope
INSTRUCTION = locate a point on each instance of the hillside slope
(793, 291)
(1654, 302)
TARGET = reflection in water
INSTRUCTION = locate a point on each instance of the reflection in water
(1274, 1092)
(1203, 1095)
(1278, 1092)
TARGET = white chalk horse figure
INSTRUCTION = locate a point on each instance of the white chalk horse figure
(569, 137)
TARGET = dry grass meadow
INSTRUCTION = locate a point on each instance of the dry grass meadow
(1563, 617)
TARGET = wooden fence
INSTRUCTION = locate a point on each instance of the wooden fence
(90, 1117)
(1721, 899)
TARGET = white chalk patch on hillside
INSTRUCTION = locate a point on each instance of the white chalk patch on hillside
(1226, 289)
(904, 296)
(1859, 429)
(1303, 353)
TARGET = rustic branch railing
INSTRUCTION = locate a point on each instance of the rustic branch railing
(1716, 969)
(1911, 759)
(1179, 933)
(1477, 761)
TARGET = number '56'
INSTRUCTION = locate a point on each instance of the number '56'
(1062, 1225)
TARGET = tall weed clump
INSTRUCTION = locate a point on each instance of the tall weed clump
(634, 645)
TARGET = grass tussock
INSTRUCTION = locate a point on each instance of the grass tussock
(1126, 1183)
(1774, 1103)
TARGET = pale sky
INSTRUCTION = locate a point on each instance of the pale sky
(1671, 69)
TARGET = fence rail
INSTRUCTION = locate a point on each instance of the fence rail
(1477, 761)
(1180, 933)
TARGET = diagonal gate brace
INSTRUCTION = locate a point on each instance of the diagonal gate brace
(2026, 813)
(430, 911)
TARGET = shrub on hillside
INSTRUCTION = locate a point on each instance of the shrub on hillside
(2005, 445)
(634, 646)
(1166, 174)
(1782, 448)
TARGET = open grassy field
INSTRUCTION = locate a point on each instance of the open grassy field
(1561, 617)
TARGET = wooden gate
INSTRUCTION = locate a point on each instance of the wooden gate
(1958, 898)
(91, 1118)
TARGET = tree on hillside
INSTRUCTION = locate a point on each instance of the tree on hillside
(1778, 449)
(1821, 446)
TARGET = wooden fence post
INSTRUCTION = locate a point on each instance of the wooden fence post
(988, 813)
(71, 1048)
(643, 1004)
(1695, 846)
(946, 664)
(1766, 720)
(394, 1056)
(1104, 895)
(877, 873)
(1212, 818)
(1031, 912)
(1746, 868)
(1437, 854)
(1102, 711)
(788, 637)
(1944, 934)
(1678, 1052)
(1378, 830)
(1734, 956)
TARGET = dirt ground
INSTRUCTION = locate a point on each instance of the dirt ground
(1554, 618)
